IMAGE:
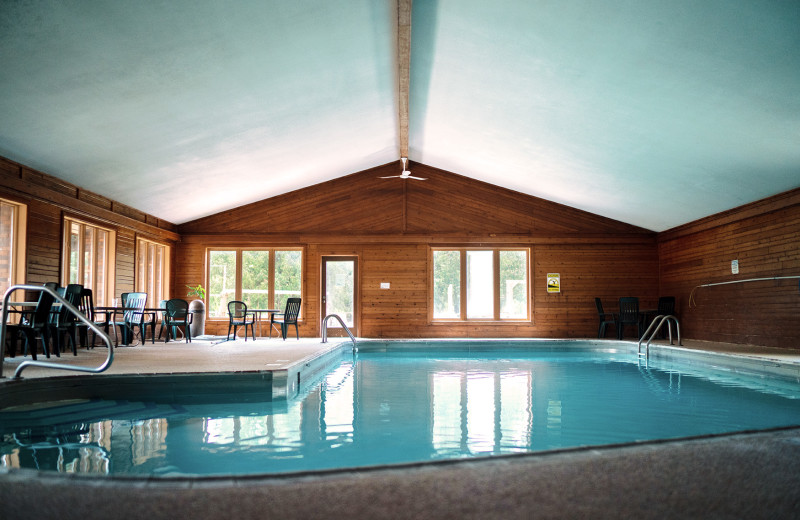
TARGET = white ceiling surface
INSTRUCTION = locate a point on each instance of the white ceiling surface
(653, 113)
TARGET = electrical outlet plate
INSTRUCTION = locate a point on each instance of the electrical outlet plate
(734, 267)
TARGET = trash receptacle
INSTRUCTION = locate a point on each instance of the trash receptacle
(198, 327)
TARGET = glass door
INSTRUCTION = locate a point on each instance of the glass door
(339, 275)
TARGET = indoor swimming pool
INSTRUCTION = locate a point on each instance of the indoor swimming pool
(391, 404)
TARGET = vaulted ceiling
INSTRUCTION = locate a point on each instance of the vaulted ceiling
(652, 113)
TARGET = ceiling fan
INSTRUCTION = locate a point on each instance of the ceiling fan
(405, 174)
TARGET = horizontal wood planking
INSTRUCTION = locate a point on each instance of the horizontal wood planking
(26, 184)
(48, 199)
(354, 203)
(390, 224)
(402, 310)
(448, 202)
(765, 238)
(445, 204)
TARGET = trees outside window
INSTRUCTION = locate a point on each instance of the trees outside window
(480, 284)
(262, 278)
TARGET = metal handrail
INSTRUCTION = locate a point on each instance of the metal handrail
(46, 364)
(657, 322)
(325, 329)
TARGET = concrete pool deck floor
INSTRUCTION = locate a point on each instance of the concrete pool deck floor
(744, 475)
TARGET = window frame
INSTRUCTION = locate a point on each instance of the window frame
(464, 296)
(165, 270)
(17, 243)
(238, 275)
(110, 257)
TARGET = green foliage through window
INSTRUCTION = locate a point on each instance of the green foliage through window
(261, 285)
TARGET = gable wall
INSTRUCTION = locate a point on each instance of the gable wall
(390, 224)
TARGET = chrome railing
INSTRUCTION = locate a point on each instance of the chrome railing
(46, 364)
(657, 323)
(341, 322)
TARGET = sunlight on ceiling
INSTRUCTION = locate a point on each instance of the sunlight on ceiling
(651, 113)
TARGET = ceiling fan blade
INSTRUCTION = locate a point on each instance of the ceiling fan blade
(392, 177)
(416, 178)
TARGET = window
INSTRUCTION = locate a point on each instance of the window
(152, 270)
(88, 250)
(262, 278)
(13, 221)
(480, 284)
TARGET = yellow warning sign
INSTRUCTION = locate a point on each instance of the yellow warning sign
(553, 282)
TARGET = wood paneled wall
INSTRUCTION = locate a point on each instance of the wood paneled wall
(48, 199)
(390, 224)
(765, 238)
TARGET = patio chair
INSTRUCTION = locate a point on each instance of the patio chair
(177, 315)
(666, 307)
(238, 316)
(606, 318)
(63, 324)
(628, 315)
(31, 324)
(288, 317)
(134, 316)
(163, 305)
(100, 318)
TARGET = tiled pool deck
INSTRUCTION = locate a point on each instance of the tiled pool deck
(750, 475)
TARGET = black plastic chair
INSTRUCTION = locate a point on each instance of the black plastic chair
(288, 317)
(606, 318)
(629, 315)
(64, 323)
(178, 315)
(101, 319)
(238, 317)
(163, 305)
(666, 307)
(31, 324)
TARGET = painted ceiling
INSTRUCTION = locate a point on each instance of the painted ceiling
(652, 113)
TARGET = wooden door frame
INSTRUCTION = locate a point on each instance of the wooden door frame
(356, 288)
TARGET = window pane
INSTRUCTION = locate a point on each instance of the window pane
(141, 272)
(7, 217)
(480, 284)
(101, 258)
(221, 282)
(446, 284)
(151, 271)
(74, 253)
(158, 276)
(288, 276)
(88, 257)
(513, 285)
(255, 279)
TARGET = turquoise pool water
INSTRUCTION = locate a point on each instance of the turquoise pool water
(395, 407)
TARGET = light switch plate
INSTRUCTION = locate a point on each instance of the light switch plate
(384, 285)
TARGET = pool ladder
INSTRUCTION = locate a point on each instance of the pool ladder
(341, 322)
(46, 364)
(657, 323)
